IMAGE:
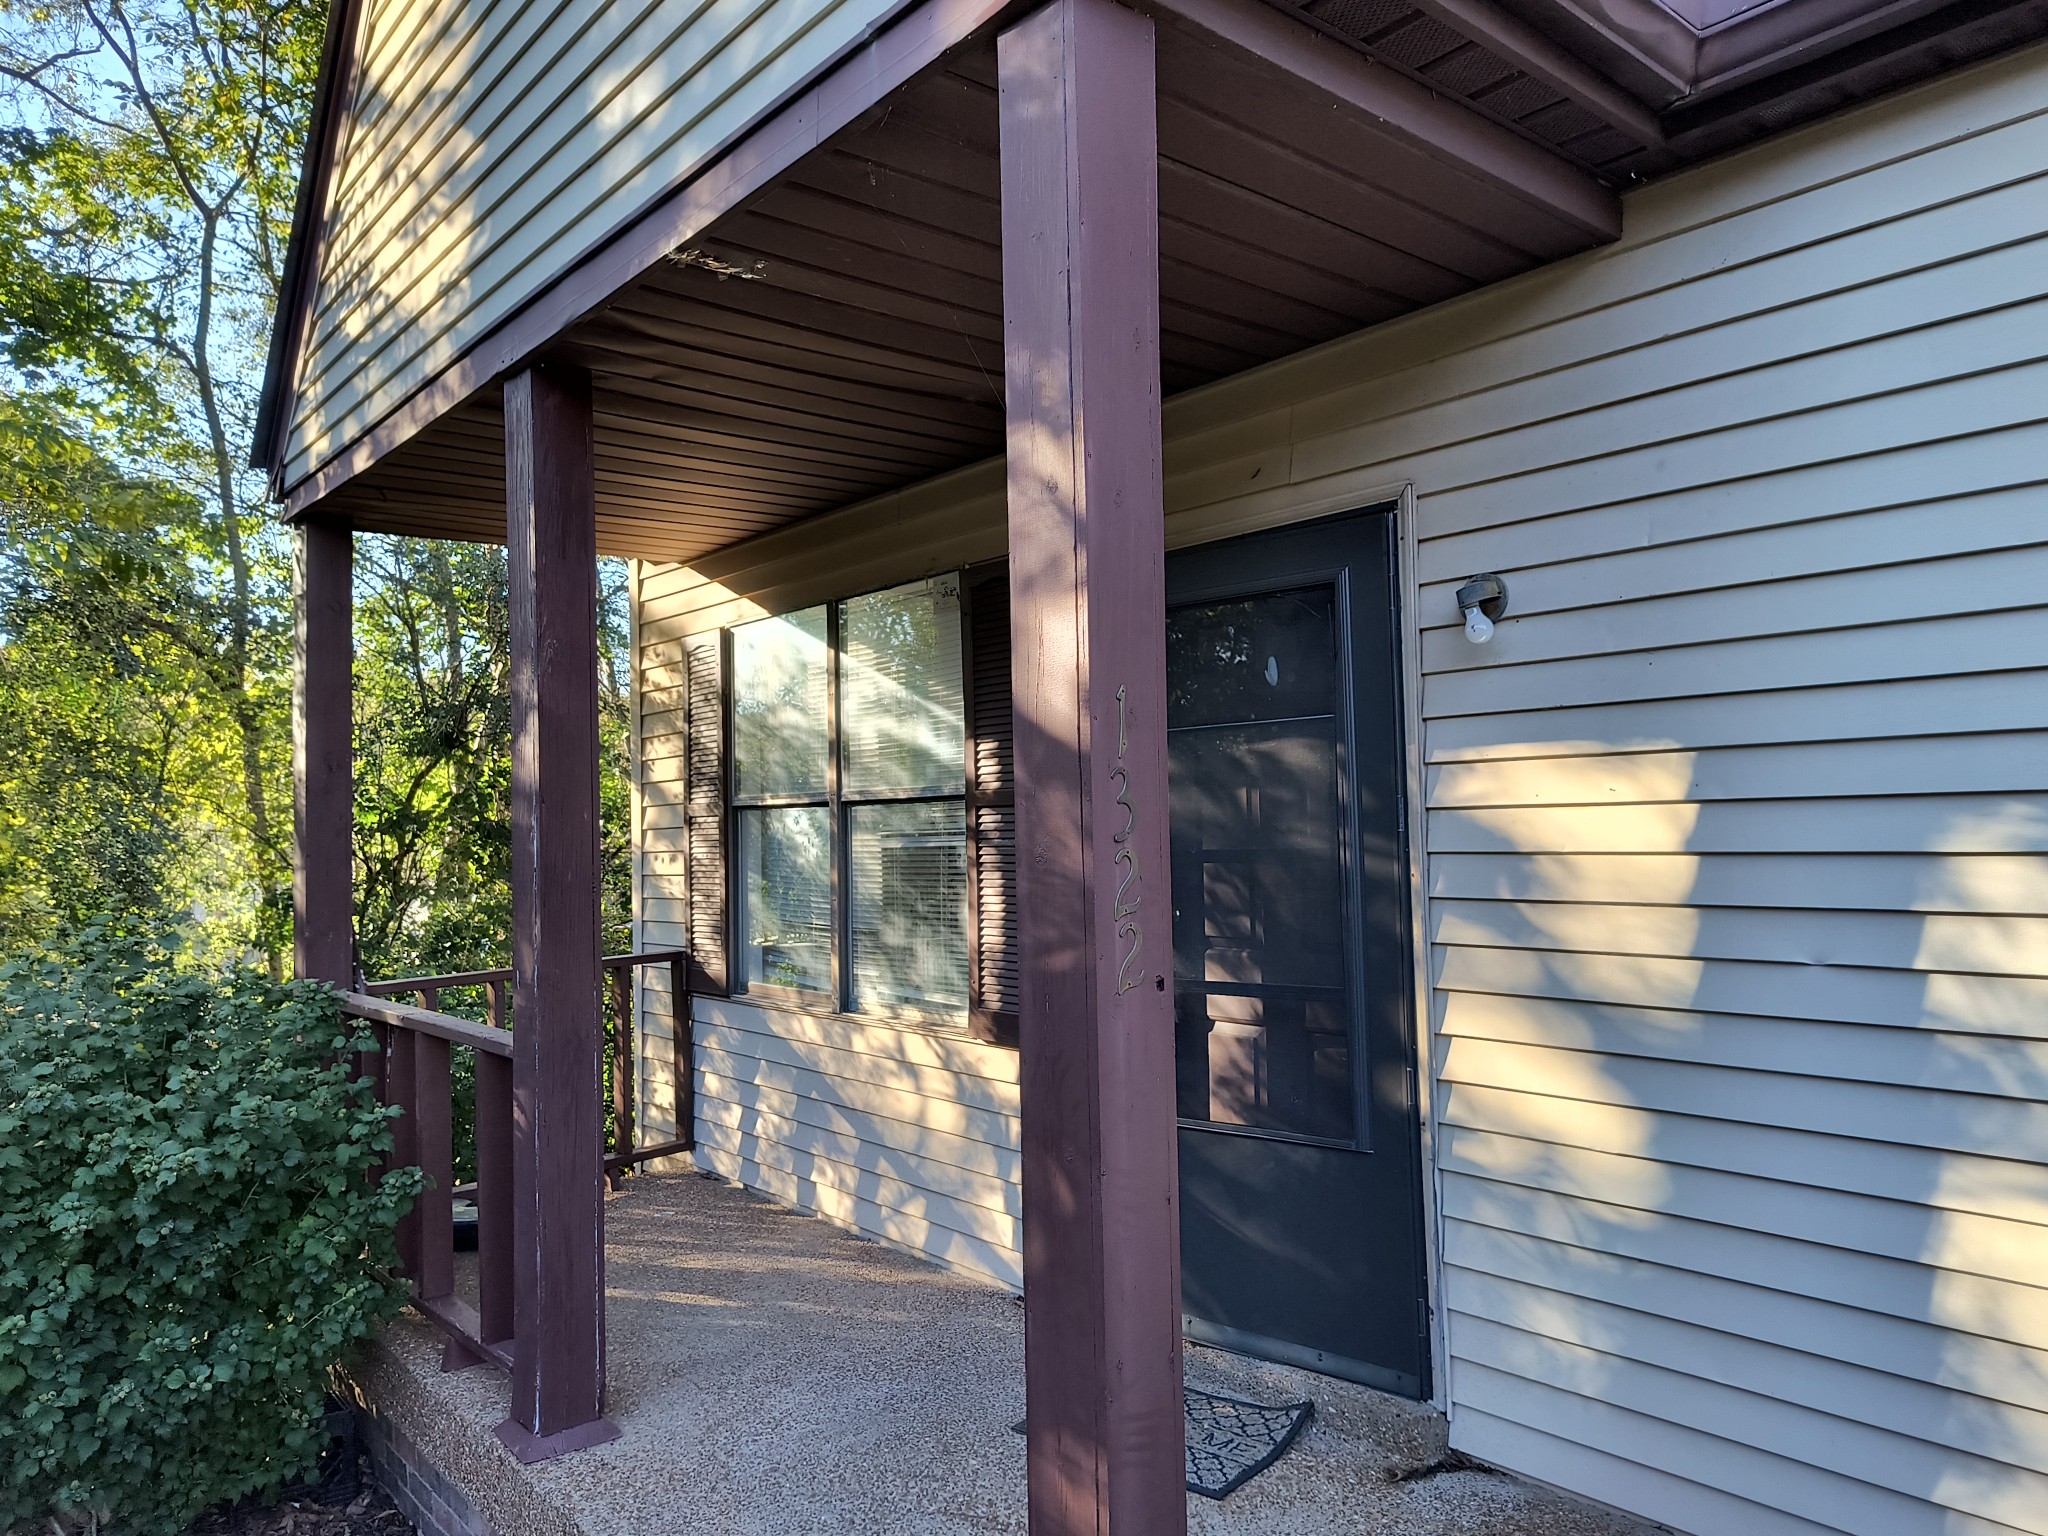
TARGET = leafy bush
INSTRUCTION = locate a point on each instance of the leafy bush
(188, 1239)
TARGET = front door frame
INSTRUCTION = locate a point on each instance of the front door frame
(1263, 512)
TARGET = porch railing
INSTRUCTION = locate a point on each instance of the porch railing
(416, 1075)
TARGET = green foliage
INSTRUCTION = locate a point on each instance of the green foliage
(188, 1239)
(149, 158)
(433, 764)
(90, 725)
(75, 313)
(148, 161)
(434, 757)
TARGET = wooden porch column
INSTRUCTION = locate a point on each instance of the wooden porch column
(557, 1117)
(1080, 228)
(323, 753)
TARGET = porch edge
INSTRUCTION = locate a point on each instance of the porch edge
(445, 1478)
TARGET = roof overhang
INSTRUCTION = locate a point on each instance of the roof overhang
(815, 317)
(333, 88)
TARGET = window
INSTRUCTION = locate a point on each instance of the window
(849, 796)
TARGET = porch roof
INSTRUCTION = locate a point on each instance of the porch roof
(772, 1373)
(837, 331)
(817, 318)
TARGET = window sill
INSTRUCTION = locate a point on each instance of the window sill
(945, 1026)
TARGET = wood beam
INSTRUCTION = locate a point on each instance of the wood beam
(558, 1158)
(323, 753)
(1088, 623)
(1445, 129)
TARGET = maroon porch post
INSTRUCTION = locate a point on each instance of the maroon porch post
(323, 760)
(1087, 578)
(558, 1159)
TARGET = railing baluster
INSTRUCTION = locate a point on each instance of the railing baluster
(401, 1086)
(376, 1066)
(683, 1030)
(412, 1068)
(494, 1265)
(621, 979)
(435, 1143)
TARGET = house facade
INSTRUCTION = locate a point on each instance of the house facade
(1605, 1002)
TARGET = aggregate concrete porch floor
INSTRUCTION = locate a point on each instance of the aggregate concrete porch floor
(772, 1374)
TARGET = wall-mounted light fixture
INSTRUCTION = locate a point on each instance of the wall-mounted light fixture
(1482, 599)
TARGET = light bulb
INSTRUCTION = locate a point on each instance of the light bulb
(1478, 627)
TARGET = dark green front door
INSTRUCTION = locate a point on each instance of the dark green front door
(1301, 1210)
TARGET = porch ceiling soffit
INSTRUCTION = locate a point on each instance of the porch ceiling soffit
(816, 318)
(834, 330)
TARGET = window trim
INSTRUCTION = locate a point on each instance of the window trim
(840, 1001)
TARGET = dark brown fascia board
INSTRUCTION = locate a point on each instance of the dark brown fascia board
(1644, 48)
(1656, 55)
(1537, 55)
(889, 57)
(1444, 128)
(1705, 15)
(1965, 31)
(332, 87)
(1788, 34)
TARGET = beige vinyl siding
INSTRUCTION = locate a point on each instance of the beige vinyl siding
(490, 143)
(907, 1136)
(1736, 863)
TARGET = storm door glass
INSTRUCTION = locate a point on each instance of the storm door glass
(1255, 716)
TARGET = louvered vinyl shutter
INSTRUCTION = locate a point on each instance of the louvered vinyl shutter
(994, 999)
(704, 809)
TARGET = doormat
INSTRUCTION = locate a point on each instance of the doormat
(1230, 1441)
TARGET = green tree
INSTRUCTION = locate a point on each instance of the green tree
(114, 761)
(434, 756)
(146, 184)
(148, 161)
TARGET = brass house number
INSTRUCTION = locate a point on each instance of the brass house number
(1129, 892)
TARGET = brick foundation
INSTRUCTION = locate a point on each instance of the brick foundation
(435, 1506)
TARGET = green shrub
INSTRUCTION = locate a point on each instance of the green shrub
(188, 1239)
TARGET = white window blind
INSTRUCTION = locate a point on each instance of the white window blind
(786, 897)
(909, 867)
(899, 678)
(779, 678)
